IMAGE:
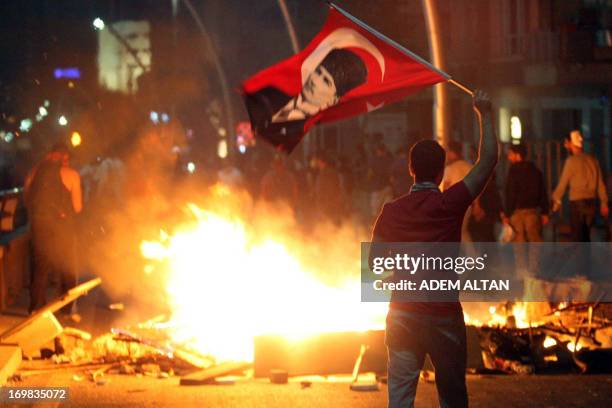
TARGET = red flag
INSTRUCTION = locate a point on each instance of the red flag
(347, 69)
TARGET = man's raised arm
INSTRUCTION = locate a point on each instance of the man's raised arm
(488, 151)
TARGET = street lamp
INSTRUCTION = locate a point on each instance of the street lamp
(516, 129)
(75, 139)
(98, 23)
(62, 120)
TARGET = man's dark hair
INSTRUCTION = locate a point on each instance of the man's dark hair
(519, 149)
(347, 69)
(455, 147)
(427, 159)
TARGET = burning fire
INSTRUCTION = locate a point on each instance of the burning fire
(225, 285)
(227, 282)
(519, 314)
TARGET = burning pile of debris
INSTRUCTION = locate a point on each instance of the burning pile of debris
(40, 345)
(569, 337)
(519, 338)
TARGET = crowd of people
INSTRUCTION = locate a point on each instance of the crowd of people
(328, 188)
(426, 194)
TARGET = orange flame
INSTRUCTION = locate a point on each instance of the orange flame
(226, 285)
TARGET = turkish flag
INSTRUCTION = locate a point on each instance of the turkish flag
(347, 69)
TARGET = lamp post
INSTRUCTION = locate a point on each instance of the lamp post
(440, 124)
(220, 72)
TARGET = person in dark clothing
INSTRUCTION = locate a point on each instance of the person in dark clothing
(53, 198)
(526, 207)
(525, 190)
(415, 329)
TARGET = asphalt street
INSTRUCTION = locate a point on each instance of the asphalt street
(485, 391)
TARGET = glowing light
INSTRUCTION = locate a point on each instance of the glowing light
(516, 129)
(492, 309)
(75, 139)
(8, 137)
(191, 167)
(47, 103)
(62, 120)
(222, 149)
(165, 117)
(98, 23)
(222, 132)
(70, 73)
(549, 342)
(571, 346)
(242, 148)
(42, 111)
(154, 116)
(25, 125)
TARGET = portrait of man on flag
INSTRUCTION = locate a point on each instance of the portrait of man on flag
(340, 71)
(346, 70)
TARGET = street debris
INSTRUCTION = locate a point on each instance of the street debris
(566, 339)
(33, 335)
(208, 376)
(574, 337)
(279, 376)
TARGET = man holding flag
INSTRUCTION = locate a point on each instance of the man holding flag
(349, 69)
(415, 329)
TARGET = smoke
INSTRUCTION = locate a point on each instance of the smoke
(153, 204)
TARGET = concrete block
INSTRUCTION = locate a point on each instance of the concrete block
(36, 333)
(10, 359)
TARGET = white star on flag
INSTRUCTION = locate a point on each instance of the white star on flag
(372, 107)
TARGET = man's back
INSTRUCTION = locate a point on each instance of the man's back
(424, 216)
(48, 195)
(525, 188)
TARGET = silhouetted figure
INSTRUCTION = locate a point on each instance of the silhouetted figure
(53, 198)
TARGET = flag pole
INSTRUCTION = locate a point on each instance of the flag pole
(400, 48)
(461, 86)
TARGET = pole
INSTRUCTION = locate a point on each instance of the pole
(461, 86)
(295, 45)
(220, 73)
(389, 41)
(440, 96)
(436, 54)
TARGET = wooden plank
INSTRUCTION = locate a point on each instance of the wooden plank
(208, 376)
(168, 351)
(53, 306)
